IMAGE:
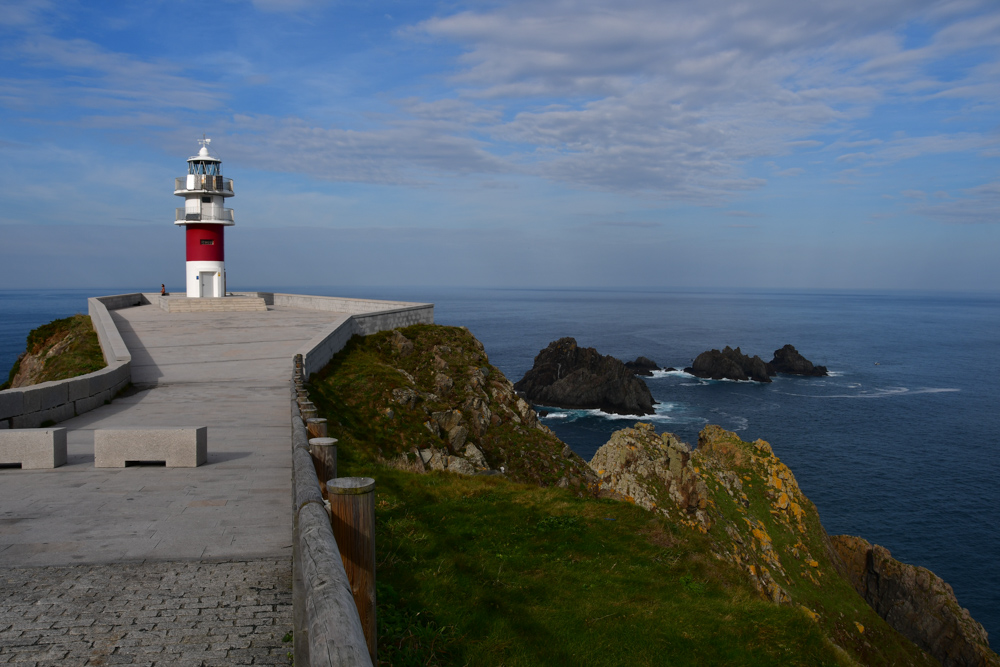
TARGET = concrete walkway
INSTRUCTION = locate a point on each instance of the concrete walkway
(227, 371)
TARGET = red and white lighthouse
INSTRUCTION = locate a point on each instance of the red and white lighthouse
(206, 218)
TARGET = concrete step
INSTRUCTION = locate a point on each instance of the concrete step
(183, 304)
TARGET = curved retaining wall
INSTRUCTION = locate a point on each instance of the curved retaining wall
(361, 316)
(56, 401)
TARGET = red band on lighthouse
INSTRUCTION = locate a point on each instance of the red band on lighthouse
(205, 243)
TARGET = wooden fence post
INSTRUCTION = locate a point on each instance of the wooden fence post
(324, 456)
(352, 517)
(317, 429)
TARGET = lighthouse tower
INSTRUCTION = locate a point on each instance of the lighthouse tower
(206, 218)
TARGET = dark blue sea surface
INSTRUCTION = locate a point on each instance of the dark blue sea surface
(901, 445)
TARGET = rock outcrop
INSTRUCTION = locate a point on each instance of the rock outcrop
(565, 375)
(642, 366)
(729, 364)
(916, 602)
(426, 398)
(788, 360)
(652, 471)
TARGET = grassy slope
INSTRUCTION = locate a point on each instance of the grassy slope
(67, 348)
(489, 571)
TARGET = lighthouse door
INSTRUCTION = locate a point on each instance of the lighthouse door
(207, 280)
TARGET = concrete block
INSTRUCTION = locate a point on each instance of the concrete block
(33, 448)
(54, 415)
(78, 387)
(92, 402)
(53, 394)
(179, 447)
(11, 403)
(101, 381)
(60, 413)
(27, 420)
(32, 400)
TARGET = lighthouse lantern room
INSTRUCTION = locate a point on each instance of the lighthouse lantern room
(205, 218)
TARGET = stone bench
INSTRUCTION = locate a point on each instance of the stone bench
(178, 447)
(33, 447)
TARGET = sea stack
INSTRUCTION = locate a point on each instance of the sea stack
(565, 375)
(788, 360)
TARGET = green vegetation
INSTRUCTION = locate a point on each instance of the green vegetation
(512, 570)
(56, 351)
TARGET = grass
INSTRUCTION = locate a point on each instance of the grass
(484, 571)
(512, 570)
(59, 350)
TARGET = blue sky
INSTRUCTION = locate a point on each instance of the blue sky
(724, 143)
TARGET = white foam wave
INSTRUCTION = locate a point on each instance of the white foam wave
(665, 374)
(661, 414)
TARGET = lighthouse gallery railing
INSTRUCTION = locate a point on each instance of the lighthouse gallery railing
(208, 214)
(204, 182)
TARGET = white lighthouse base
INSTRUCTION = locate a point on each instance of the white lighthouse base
(205, 279)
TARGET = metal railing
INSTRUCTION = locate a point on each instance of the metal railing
(208, 214)
(204, 182)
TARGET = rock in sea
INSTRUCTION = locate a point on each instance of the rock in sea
(730, 364)
(788, 360)
(565, 375)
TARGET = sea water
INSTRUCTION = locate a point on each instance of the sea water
(900, 445)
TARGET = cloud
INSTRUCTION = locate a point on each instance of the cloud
(395, 155)
(980, 205)
(670, 99)
(23, 12)
(60, 74)
(660, 99)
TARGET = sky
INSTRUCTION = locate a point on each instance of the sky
(844, 144)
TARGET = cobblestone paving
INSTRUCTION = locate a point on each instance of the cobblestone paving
(154, 613)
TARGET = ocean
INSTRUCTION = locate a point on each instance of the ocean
(900, 445)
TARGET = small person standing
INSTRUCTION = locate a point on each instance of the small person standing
(163, 289)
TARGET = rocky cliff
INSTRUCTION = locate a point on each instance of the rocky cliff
(744, 498)
(432, 401)
(565, 375)
(58, 350)
(916, 602)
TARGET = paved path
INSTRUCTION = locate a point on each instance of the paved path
(155, 613)
(227, 371)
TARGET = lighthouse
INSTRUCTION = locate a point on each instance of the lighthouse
(205, 218)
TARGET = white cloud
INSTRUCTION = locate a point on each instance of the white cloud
(672, 98)
(980, 205)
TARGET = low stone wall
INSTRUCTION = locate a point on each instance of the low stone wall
(340, 304)
(30, 407)
(361, 318)
(327, 627)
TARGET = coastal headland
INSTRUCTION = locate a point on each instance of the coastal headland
(494, 539)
